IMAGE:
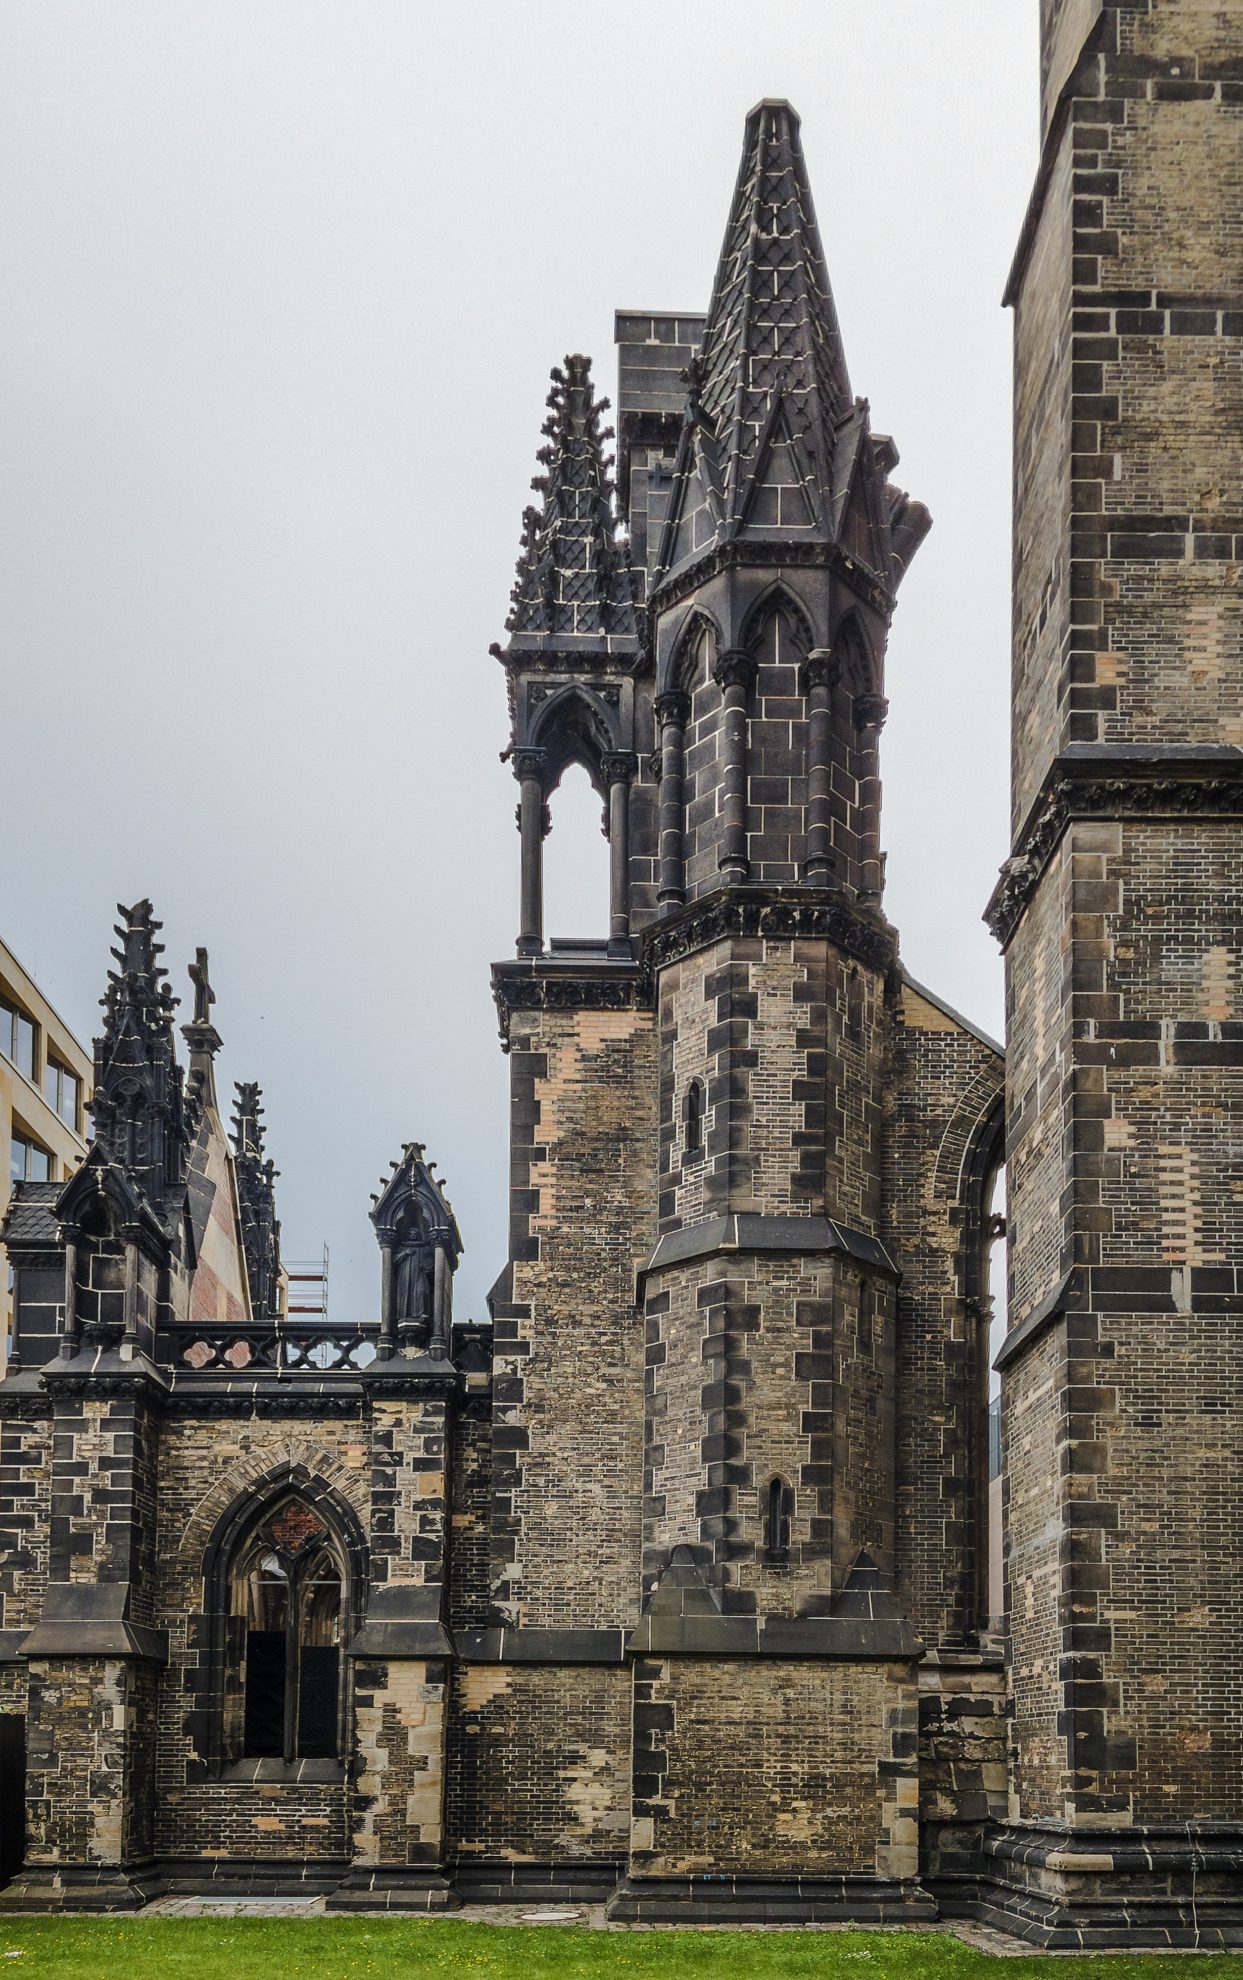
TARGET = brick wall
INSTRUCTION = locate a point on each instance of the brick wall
(818, 1777)
(539, 1763)
(567, 1433)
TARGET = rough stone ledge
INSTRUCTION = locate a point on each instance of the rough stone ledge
(741, 1900)
(749, 1231)
(541, 1646)
(830, 1638)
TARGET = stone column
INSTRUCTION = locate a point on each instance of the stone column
(402, 1662)
(870, 711)
(73, 1322)
(819, 679)
(129, 1331)
(734, 673)
(619, 767)
(386, 1344)
(673, 713)
(438, 1346)
(528, 769)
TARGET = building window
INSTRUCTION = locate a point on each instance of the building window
(777, 1506)
(29, 1161)
(288, 1599)
(693, 1121)
(62, 1090)
(17, 1037)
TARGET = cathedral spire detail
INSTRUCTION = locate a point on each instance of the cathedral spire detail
(772, 335)
(138, 1101)
(256, 1195)
(774, 443)
(573, 579)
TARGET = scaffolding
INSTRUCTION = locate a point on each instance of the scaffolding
(307, 1280)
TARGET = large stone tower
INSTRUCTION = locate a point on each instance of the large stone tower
(1120, 910)
(738, 1455)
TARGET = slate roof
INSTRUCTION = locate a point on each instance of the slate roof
(31, 1217)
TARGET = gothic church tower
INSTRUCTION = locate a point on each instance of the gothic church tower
(1120, 913)
(721, 1511)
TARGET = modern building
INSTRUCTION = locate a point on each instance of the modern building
(675, 1585)
(45, 1090)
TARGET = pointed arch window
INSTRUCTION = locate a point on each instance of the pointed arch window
(288, 1603)
(777, 1506)
(693, 1122)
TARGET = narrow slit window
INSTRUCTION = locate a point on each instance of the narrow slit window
(693, 1121)
(777, 1506)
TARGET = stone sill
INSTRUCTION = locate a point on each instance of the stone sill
(243, 1773)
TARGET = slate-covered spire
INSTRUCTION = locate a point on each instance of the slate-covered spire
(775, 445)
(772, 327)
(256, 1193)
(573, 581)
(138, 1102)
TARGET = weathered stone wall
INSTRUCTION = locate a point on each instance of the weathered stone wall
(539, 1763)
(760, 1367)
(470, 1600)
(942, 1150)
(568, 1424)
(25, 1527)
(398, 1793)
(780, 1768)
(963, 1737)
(789, 1041)
(206, 1466)
(1126, 1060)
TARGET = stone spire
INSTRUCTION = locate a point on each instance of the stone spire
(573, 581)
(772, 328)
(138, 1102)
(256, 1194)
(774, 444)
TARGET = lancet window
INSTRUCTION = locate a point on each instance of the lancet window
(288, 1604)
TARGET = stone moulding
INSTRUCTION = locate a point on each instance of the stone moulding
(543, 983)
(553, 983)
(790, 914)
(1112, 781)
(747, 1231)
(754, 552)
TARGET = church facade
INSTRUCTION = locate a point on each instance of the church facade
(669, 1587)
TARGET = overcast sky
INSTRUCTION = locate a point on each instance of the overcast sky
(282, 284)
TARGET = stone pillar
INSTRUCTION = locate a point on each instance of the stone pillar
(673, 713)
(819, 678)
(438, 1345)
(129, 1331)
(72, 1329)
(870, 711)
(529, 768)
(734, 674)
(619, 767)
(385, 1346)
(401, 1658)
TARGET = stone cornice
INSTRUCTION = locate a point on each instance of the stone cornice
(793, 914)
(548, 983)
(771, 555)
(1112, 781)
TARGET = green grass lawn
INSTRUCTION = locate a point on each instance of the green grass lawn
(399, 1949)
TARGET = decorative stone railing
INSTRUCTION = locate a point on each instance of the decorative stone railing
(303, 1348)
